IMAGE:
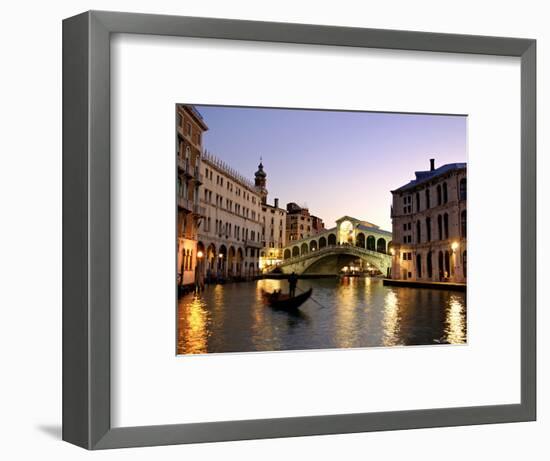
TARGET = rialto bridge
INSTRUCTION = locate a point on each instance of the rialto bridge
(340, 247)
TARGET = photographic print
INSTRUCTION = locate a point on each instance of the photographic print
(302, 229)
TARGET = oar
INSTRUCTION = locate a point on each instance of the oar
(312, 298)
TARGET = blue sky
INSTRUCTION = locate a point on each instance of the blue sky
(337, 163)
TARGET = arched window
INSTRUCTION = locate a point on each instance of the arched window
(462, 189)
(446, 225)
(447, 264)
(440, 266)
(438, 189)
(445, 194)
(428, 198)
(418, 266)
(429, 264)
(417, 199)
(428, 229)
(463, 224)
(439, 227)
(418, 236)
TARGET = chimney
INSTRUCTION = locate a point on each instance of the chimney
(276, 202)
(432, 164)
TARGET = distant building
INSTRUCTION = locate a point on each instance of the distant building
(189, 130)
(273, 221)
(429, 226)
(300, 224)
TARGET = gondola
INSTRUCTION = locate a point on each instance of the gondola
(284, 302)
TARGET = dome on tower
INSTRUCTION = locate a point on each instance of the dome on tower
(260, 173)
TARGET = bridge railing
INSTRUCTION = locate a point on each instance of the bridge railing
(332, 249)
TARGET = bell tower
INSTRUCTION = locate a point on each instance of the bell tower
(260, 181)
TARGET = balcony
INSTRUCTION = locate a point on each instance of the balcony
(185, 203)
(252, 244)
(199, 210)
(185, 166)
(198, 176)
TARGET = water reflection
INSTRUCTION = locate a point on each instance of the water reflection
(352, 312)
(391, 319)
(455, 322)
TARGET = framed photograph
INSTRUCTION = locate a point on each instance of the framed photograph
(275, 230)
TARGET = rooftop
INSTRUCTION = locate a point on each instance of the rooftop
(425, 176)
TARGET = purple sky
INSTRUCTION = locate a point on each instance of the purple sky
(336, 163)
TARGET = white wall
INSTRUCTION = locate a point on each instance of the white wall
(30, 243)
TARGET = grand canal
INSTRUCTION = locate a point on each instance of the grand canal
(342, 313)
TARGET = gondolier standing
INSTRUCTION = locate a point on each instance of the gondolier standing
(292, 282)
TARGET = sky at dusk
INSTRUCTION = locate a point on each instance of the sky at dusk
(336, 163)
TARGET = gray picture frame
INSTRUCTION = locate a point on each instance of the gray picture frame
(86, 229)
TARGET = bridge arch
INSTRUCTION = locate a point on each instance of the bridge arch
(371, 243)
(313, 245)
(360, 240)
(304, 250)
(287, 254)
(322, 242)
(331, 239)
(295, 251)
(381, 245)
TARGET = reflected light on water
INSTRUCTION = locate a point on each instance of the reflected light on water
(346, 312)
(391, 319)
(192, 331)
(455, 322)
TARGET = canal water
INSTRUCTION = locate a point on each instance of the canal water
(342, 313)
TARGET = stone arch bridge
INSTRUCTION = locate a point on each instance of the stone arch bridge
(332, 249)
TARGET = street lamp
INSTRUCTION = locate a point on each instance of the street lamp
(200, 254)
(454, 246)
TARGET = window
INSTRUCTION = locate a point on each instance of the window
(462, 189)
(427, 198)
(417, 197)
(418, 236)
(463, 224)
(446, 225)
(445, 194)
(438, 190)
(440, 227)
(428, 230)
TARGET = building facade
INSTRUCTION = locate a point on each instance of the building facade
(429, 220)
(189, 131)
(300, 224)
(230, 235)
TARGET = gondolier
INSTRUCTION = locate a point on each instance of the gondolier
(292, 282)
